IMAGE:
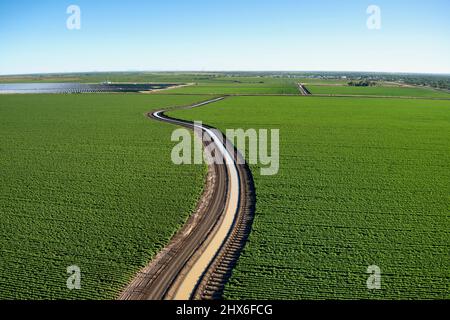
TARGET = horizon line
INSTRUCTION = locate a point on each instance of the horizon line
(228, 71)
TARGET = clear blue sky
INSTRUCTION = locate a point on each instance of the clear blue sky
(224, 35)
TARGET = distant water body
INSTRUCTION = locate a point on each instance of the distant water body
(78, 87)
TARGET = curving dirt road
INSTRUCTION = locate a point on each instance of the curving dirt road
(198, 261)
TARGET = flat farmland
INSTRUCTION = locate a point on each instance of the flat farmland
(319, 81)
(395, 91)
(362, 182)
(96, 77)
(240, 85)
(86, 180)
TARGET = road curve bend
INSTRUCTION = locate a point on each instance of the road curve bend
(198, 261)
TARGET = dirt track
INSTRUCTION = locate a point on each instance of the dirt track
(198, 261)
(303, 90)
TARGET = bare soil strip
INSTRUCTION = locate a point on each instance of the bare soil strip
(168, 88)
(303, 90)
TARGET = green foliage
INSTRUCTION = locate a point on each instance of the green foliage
(361, 182)
(86, 180)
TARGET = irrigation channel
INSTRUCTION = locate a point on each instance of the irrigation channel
(198, 261)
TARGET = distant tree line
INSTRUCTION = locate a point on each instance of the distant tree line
(362, 83)
(439, 81)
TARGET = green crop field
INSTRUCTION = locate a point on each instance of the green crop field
(361, 182)
(240, 85)
(86, 180)
(379, 91)
(320, 81)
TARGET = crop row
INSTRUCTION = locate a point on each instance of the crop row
(86, 180)
(361, 182)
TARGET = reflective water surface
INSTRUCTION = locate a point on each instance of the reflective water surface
(78, 87)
